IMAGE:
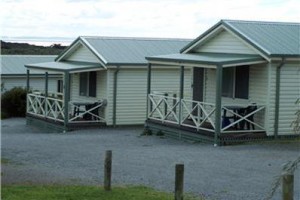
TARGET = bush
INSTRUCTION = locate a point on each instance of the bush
(13, 103)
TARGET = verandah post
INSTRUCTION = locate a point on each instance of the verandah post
(148, 89)
(27, 88)
(46, 93)
(218, 111)
(27, 80)
(181, 92)
(66, 99)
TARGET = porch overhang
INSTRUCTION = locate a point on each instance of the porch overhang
(206, 60)
(67, 66)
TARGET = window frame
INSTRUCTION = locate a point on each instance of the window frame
(88, 91)
(234, 85)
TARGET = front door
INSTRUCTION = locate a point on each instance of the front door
(198, 84)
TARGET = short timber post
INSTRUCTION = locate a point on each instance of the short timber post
(288, 186)
(107, 170)
(218, 113)
(179, 174)
(181, 92)
(149, 107)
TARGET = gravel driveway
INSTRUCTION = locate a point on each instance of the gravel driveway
(229, 172)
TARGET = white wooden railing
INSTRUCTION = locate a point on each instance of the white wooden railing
(201, 115)
(53, 108)
(48, 107)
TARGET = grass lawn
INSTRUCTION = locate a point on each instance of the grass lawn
(57, 192)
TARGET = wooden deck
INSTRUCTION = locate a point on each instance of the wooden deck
(50, 125)
(191, 134)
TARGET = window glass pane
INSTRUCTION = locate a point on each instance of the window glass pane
(60, 86)
(92, 84)
(83, 84)
(242, 82)
(227, 82)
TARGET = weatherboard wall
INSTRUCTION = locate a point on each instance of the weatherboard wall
(225, 42)
(258, 88)
(132, 89)
(289, 92)
(82, 54)
(101, 92)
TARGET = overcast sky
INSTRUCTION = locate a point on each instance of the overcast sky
(143, 18)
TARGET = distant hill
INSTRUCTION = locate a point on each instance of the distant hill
(10, 48)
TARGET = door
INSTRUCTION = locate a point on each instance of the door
(198, 83)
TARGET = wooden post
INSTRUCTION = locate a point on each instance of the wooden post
(66, 99)
(181, 88)
(149, 107)
(107, 170)
(218, 111)
(46, 94)
(179, 174)
(287, 186)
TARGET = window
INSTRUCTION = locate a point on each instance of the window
(235, 83)
(60, 86)
(87, 85)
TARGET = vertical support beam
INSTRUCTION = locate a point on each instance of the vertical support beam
(115, 96)
(27, 88)
(66, 98)
(218, 112)
(181, 92)
(46, 93)
(46, 84)
(148, 89)
(28, 80)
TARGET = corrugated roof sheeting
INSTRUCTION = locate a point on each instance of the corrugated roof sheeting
(277, 38)
(133, 50)
(14, 64)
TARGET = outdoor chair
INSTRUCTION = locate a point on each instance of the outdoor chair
(244, 112)
(95, 111)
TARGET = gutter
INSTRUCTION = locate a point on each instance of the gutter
(277, 96)
(115, 96)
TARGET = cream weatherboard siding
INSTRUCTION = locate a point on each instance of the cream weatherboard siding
(83, 54)
(101, 87)
(36, 83)
(258, 88)
(225, 42)
(132, 89)
(289, 92)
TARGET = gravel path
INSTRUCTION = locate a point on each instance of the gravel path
(230, 172)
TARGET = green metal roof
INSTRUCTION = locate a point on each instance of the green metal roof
(14, 64)
(130, 51)
(64, 66)
(271, 38)
(207, 58)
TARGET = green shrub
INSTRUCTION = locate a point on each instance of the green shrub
(13, 102)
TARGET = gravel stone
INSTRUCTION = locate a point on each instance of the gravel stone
(236, 172)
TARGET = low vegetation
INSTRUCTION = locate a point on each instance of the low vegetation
(56, 192)
(13, 103)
